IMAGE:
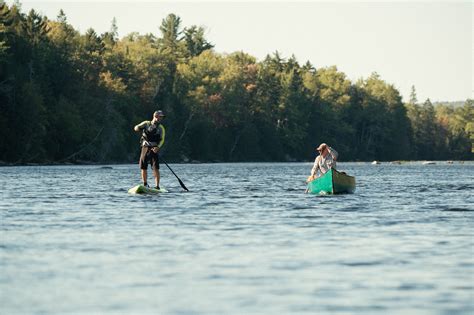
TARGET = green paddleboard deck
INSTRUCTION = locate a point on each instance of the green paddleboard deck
(140, 189)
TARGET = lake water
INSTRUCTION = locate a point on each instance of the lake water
(244, 240)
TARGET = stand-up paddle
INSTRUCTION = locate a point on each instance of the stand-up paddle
(180, 182)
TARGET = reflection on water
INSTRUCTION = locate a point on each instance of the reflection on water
(245, 240)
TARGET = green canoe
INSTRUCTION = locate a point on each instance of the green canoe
(333, 182)
(140, 189)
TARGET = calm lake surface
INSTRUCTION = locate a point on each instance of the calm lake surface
(245, 240)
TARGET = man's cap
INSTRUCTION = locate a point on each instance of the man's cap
(159, 113)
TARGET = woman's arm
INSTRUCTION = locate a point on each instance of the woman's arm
(333, 153)
(314, 170)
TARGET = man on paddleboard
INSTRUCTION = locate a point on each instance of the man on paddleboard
(153, 138)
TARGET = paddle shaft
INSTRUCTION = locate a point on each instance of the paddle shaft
(180, 181)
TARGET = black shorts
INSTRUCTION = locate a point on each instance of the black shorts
(148, 156)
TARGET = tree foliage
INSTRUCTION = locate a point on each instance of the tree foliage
(67, 96)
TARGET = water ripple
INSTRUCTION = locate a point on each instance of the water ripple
(244, 240)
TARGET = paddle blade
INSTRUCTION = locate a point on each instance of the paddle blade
(182, 185)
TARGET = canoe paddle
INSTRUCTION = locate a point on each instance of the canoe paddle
(180, 182)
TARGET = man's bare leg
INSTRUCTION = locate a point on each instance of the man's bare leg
(144, 176)
(156, 173)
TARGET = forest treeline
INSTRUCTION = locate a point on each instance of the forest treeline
(71, 97)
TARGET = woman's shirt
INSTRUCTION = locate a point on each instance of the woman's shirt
(324, 164)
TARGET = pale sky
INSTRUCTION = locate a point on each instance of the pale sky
(425, 44)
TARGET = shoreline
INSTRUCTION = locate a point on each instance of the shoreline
(92, 163)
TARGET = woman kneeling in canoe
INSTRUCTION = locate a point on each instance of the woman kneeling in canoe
(324, 161)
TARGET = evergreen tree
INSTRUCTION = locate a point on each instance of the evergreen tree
(171, 31)
(195, 41)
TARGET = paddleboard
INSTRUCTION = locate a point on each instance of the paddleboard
(140, 189)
